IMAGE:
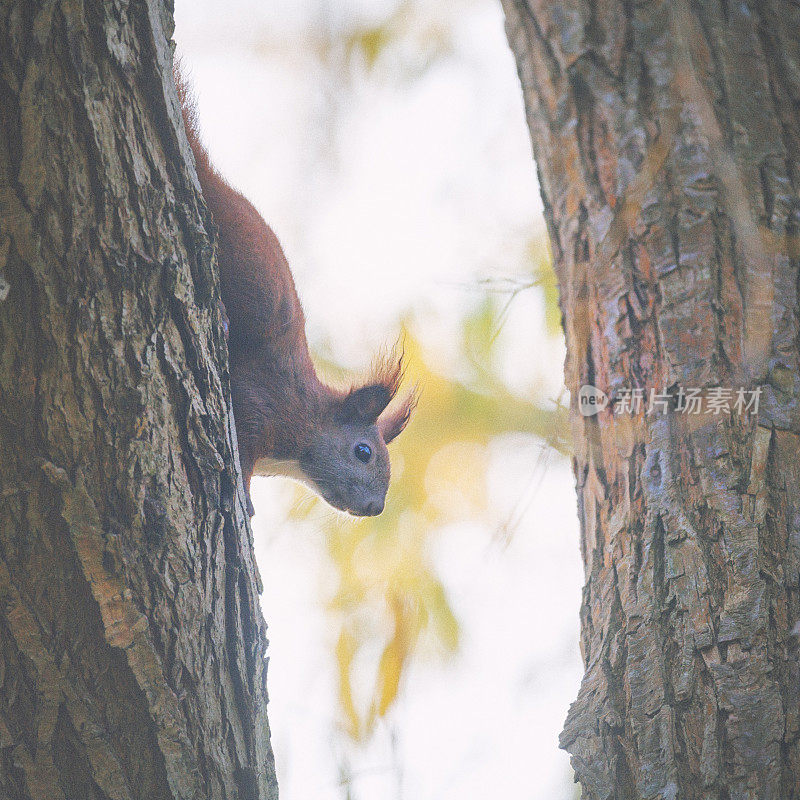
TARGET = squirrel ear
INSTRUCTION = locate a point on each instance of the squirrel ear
(365, 404)
(392, 425)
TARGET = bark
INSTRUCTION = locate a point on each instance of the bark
(667, 138)
(131, 641)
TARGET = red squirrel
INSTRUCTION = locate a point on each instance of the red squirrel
(288, 422)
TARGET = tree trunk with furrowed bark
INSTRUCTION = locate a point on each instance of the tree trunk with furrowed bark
(667, 138)
(131, 641)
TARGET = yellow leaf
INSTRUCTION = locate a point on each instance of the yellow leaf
(346, 648)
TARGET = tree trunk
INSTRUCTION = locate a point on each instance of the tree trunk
(131, 641)
(667, 137)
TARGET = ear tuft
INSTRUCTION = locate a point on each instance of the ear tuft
(366, 403)
(392, 424)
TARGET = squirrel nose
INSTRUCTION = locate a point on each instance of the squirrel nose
(374, 508)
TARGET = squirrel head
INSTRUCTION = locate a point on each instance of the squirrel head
(346, 459)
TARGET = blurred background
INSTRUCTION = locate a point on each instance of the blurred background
(431, 652)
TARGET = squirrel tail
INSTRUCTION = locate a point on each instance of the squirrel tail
(190, 121)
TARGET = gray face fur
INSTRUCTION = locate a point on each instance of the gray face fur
(344, 481)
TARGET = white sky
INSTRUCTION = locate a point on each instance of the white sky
(400, 196)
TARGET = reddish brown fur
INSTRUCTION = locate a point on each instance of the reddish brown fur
(278, 399)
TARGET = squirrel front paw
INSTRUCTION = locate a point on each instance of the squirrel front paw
(250, 510)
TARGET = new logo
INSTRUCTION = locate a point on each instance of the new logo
(591, 400)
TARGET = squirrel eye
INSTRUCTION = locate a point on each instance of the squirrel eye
(363, 452)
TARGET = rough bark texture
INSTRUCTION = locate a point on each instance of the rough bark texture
(667, 138)
(131, 642)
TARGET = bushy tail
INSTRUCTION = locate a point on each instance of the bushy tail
(190, 121)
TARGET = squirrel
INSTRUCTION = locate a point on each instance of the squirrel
(288, 422)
